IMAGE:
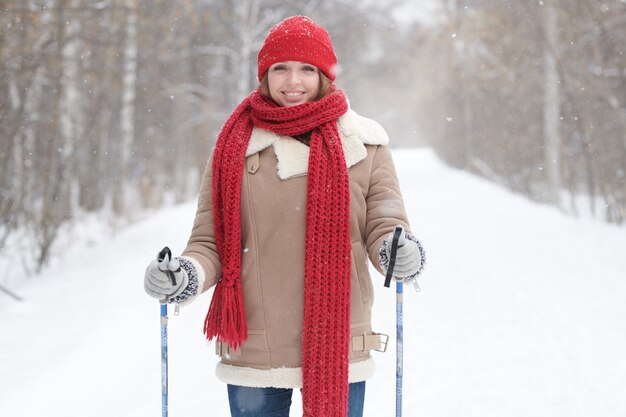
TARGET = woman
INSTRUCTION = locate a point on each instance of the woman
(298, 193)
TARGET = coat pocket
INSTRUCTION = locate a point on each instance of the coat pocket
(359, 267)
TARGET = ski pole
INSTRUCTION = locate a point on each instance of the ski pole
(164, 360)
(399, 346)
(397, 242)
(163, 258)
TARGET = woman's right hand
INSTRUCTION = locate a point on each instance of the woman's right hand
(166, 284)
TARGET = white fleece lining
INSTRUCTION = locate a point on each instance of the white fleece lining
(260, 139)
(293, 157)
(367, 130)
(284, 377)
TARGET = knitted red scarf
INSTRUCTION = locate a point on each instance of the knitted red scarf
(326, 326)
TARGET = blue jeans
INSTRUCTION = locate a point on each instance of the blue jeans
(275, 402)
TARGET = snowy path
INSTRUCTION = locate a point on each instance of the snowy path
(521, 314)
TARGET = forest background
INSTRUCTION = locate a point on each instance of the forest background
(108, 108)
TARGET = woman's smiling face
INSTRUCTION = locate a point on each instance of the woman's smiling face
(292, 82)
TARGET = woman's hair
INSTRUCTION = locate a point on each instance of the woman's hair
(325, 84)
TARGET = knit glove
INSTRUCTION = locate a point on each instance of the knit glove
(165, 285)
(410, 257)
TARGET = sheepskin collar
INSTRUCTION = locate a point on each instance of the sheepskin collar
(355, 132)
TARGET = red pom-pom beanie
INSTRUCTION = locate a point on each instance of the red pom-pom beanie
(298, 38)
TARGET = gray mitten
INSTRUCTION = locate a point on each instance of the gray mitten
(409, 257)
(165, 284)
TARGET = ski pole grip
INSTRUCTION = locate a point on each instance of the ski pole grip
(398, 233)
(163, 258)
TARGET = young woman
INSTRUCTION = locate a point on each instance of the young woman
(299, 192)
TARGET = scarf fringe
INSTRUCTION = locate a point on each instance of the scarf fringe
(226, 318)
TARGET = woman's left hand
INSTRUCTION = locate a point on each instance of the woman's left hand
(410, 257)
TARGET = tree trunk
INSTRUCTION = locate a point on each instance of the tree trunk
(551, 107)
(71, 104)
(123, 193)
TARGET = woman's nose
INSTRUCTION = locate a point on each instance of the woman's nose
(294, 78)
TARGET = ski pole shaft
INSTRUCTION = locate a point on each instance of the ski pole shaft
(164, 375)
(399, 346)
(397, 241)
(163, 258)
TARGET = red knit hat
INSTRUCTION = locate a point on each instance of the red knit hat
(298, 38)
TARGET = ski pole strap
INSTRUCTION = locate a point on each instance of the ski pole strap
(392, 255)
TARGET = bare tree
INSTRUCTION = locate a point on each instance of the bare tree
(536, 88)
(110, 107)
(124, 191)
(552, 103)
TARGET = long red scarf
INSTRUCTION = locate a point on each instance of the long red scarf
(326, 326)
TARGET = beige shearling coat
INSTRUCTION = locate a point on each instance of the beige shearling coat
(273, 202)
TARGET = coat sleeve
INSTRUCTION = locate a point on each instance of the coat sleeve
(385, 207)
(202, 247)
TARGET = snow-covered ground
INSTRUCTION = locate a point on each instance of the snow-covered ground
(522, 313)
